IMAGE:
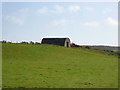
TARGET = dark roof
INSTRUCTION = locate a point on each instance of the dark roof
(54, 41)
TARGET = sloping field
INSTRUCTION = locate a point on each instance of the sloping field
(47, 66)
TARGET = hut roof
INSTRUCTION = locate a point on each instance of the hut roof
(54, 41)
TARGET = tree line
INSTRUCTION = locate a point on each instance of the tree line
(23, 42)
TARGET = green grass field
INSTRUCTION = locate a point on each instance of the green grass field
(48, 66)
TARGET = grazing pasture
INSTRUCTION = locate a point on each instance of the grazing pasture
(49, 66)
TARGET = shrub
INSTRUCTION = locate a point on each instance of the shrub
(88, 47)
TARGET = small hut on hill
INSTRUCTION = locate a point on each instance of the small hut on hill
(57, 41)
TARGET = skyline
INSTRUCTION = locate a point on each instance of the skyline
(84, 23)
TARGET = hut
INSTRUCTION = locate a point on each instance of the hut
(57, 41)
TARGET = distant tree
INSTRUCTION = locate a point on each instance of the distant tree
(4, 41)
(31, 42)
(23, 42)
(37, 43)
(74, 45)
(88, 47)
(107, 51)
(111, 51)
(9, 42)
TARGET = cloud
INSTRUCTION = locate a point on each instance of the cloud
(56, 9)
(61, 22)
(111, 22)
(43, 10)
(17, 17)
(23, 10)
(107, 11)
(92, 24)
(108, 22)
(14, 20)
(74, 8)
(59, 9)
(89, 8)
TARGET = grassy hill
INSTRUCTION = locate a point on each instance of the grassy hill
(47, 66)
